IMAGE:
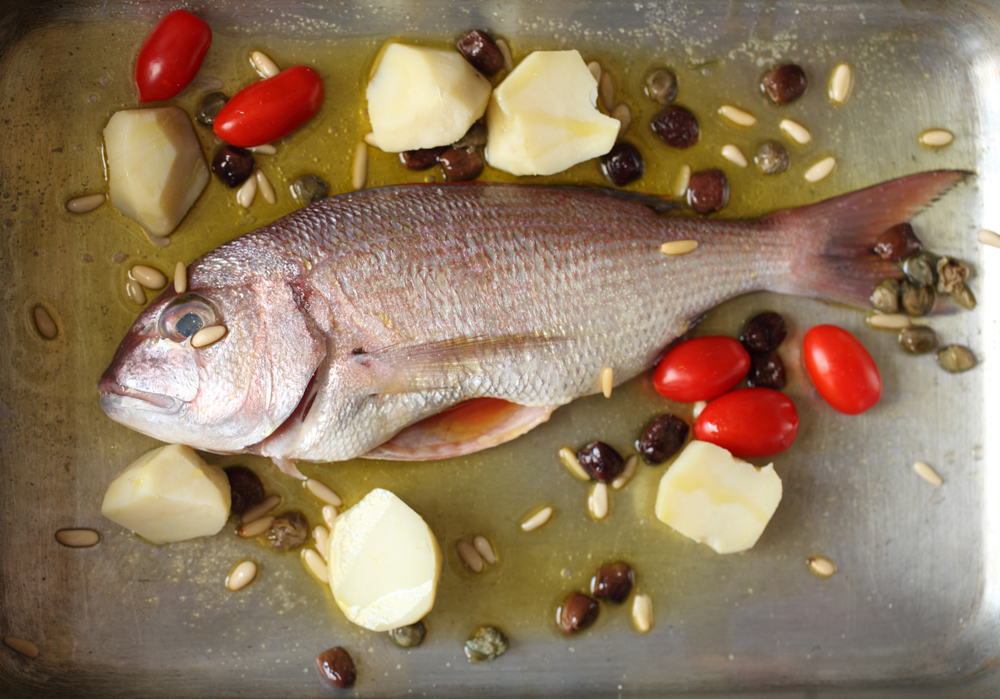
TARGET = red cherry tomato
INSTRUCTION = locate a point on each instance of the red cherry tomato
(701, 369)
(749, 422)
(171, 55)
(841, 369)
(270, 109)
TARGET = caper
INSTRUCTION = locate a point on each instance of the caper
(486, 643)
(661, 86)
(920, 269)
(956, 359)
(771, 158)
(950, 273)
(210, 107)
(288, 531)
(918, 339)
(473, 138)
(310, 188)
(916, 300)
(885, 298)
(409, 636)
(962, 295)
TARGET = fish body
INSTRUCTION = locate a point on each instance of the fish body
(425, 321)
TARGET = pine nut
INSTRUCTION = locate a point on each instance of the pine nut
(607, 381)
(572, 464)
(148, 277)
(624, 116)
(77, 538)
(180, 278)
(263, 64)
(626, 475)
(22, 646)
(679, 247)
(820, 169)
(642, 613)
(889, 321)
(485, 548)
(264, 187)
(242, 574)
(936, 138)
(925, 471)
(467, 552)
(737, 116)
(86, 203)
(208, 336)
(682, 182)
(537, 519)
(258, 511)
(43, 323)
(323, 492)
(595, 69)
(989, 238)
(134, 291)
(821, 567)
(314, 564)
(256, 527)
(246, 193)
(359, 166)
(606, 89)
(322, 537)
(795, 131)
(734, 155)
(263, 149)
(330, 515)
(597, 502)
(841, 82)
(508, 60)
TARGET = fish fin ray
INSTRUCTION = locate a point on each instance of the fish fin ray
(405, 368)
(463, 429)
(836, 237)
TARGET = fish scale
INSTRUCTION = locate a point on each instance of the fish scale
(363, 318)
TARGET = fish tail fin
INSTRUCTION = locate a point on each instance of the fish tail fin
(832, 242)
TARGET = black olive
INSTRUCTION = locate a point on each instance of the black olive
(613, 582)
(662, 439)
(766, 371)
(337, 667)
(601, 461)
(482, 52)
(578, 612)
(764, 333)
(623, 164)
(233, 165)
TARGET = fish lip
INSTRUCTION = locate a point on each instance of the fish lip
(109, 387)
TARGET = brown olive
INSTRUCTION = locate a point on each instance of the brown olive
(578, 612)
(918, 339)
(601, 461)
(309, 189)
(409, 636)
(487, 643)
(337, 667)
(663, 438)
(708, 191)
(785, 83)
(771, 158)
(676, 127)
(885, 297)
(246, 488)
(766, 371)
(916, 300)
(950, 274)
(623, 164)
(955, 358)
(461, 165)
(661, 86)
(233, 165)
(764, 333)
(422, 158)
(897, 243)
(613, 582)
(288, 531)
(210, 106)
(481, 51)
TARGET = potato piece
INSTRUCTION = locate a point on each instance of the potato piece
(423, 98)
(384, 563)
(712, 497)
(156, 170)
(169, 494)
(543, 118)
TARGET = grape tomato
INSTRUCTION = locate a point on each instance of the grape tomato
(701, 369)
(749, 422)
(841, 369)
(270, 109)
(171, 55)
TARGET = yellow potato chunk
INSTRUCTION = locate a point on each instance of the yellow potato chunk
(156, 170)
(423, 98)
(169, 494)
(712, 497)
(384, 563)
(543, 118)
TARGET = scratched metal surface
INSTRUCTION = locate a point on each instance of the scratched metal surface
(913, 610)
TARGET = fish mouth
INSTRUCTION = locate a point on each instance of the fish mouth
(113, 394)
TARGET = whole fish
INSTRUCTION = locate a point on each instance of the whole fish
(428, 321)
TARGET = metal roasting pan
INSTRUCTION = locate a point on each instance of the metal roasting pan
(913, 610)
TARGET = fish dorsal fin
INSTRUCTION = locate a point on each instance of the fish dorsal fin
(466, 428)
(405, 368)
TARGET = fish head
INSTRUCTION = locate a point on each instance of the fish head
(225, 396)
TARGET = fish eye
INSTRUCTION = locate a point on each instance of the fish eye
(184, 316)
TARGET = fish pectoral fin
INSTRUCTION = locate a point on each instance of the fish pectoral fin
(466, 428)
(405, 368)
